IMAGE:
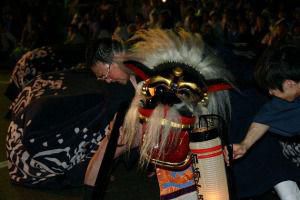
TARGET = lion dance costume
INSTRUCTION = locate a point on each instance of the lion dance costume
(178, 112)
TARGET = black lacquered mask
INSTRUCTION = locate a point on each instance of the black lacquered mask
(174, 85)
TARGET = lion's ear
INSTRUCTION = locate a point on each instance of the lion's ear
(139, 69)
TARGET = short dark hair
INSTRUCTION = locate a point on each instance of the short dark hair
(103, 50)
(277, 64)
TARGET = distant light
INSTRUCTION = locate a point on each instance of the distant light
(164, 1)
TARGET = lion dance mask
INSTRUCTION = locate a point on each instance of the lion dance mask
(178, 113)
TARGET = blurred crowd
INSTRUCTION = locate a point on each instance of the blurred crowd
(245, 26)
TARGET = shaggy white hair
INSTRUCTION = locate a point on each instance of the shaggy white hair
(155, 47)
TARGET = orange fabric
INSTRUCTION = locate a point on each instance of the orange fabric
(172, 181)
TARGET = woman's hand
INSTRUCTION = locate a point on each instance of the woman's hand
(239, 150)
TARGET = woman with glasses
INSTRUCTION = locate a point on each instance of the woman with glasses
(105, 57)
(59, 119)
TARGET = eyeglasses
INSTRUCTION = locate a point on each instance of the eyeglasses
(106, 75)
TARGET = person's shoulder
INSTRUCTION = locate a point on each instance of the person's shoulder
(281, 105)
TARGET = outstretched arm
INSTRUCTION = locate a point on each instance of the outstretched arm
(255, 132)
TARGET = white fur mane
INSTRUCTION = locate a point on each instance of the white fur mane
(159, 46)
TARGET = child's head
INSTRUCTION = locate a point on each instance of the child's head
(279, 71)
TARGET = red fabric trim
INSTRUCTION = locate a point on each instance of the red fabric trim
(210, 155)
(218, 87)
(184, 120)
(207, 150)
(138, 72)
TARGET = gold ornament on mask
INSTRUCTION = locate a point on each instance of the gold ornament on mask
(175, 84)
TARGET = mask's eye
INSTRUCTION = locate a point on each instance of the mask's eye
(187, 94)
(155, 90)
(161, 90)
(183, 92)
